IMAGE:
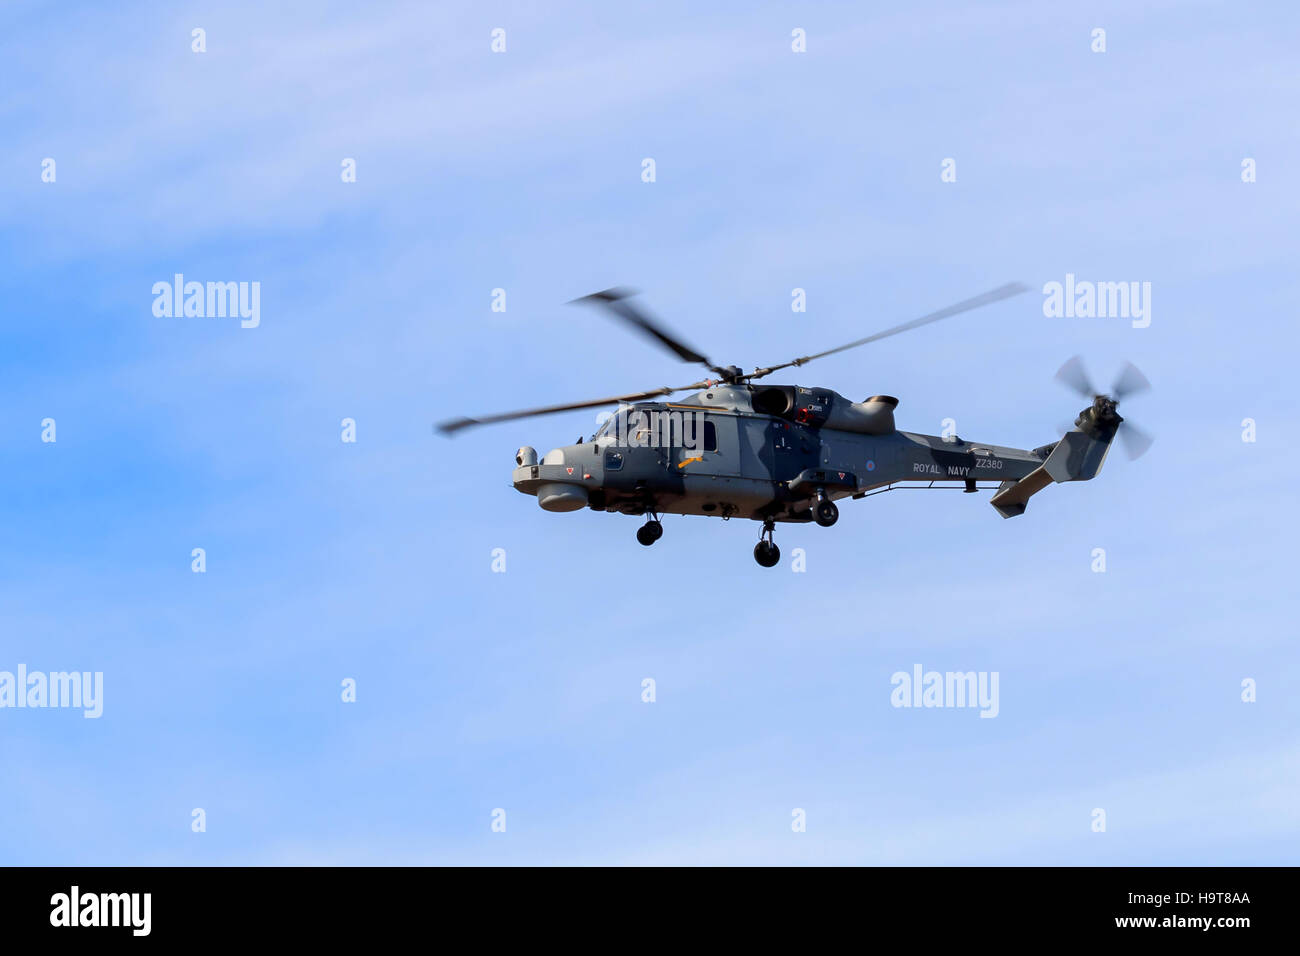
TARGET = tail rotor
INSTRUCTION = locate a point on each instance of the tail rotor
(1102, 414)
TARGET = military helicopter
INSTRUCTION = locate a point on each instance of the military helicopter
(773, 453)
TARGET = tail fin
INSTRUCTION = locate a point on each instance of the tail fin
(1078, 456)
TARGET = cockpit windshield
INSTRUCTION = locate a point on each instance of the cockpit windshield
(609, 426)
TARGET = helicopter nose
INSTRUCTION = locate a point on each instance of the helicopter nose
(554, 480)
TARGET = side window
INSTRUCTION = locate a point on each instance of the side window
(710, 437)
(613, 460)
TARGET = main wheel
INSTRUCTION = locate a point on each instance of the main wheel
(766, 554)
(825, 513)
(649, 533)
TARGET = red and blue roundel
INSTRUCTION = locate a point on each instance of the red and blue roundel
(871, 465)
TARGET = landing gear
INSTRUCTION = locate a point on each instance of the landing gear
(766, 553)
(650, 532)
(825, 513)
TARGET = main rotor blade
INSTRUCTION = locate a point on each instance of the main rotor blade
(1072, 375)
(454, 425)
(616, 301)
(994, 295)
(1129, 381)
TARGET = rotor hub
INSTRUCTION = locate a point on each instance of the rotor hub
(1104, 408)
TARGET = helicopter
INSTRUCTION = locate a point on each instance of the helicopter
(787, 453)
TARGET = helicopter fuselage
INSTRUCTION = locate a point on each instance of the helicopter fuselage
(769, 453)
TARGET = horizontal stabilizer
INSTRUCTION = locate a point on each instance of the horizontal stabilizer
(1012, 496)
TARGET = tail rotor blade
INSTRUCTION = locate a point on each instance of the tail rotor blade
(1136, 441)
(1129, 381)
(1073, 376)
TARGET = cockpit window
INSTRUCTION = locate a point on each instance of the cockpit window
(608, 427)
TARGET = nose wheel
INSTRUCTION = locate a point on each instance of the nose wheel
(650, 532)
(766, 553)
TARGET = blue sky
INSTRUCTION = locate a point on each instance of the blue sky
(522, 690)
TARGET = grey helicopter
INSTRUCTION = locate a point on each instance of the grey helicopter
(785, 453)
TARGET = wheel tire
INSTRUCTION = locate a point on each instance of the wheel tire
(825, 513)
(646, 536)
(767, 555)
(656, 530)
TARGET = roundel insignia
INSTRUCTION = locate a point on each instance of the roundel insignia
(871, 465)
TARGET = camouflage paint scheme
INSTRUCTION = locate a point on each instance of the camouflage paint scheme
(774, 466)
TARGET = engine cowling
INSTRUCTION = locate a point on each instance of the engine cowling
(823, 408)
(875, 416)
